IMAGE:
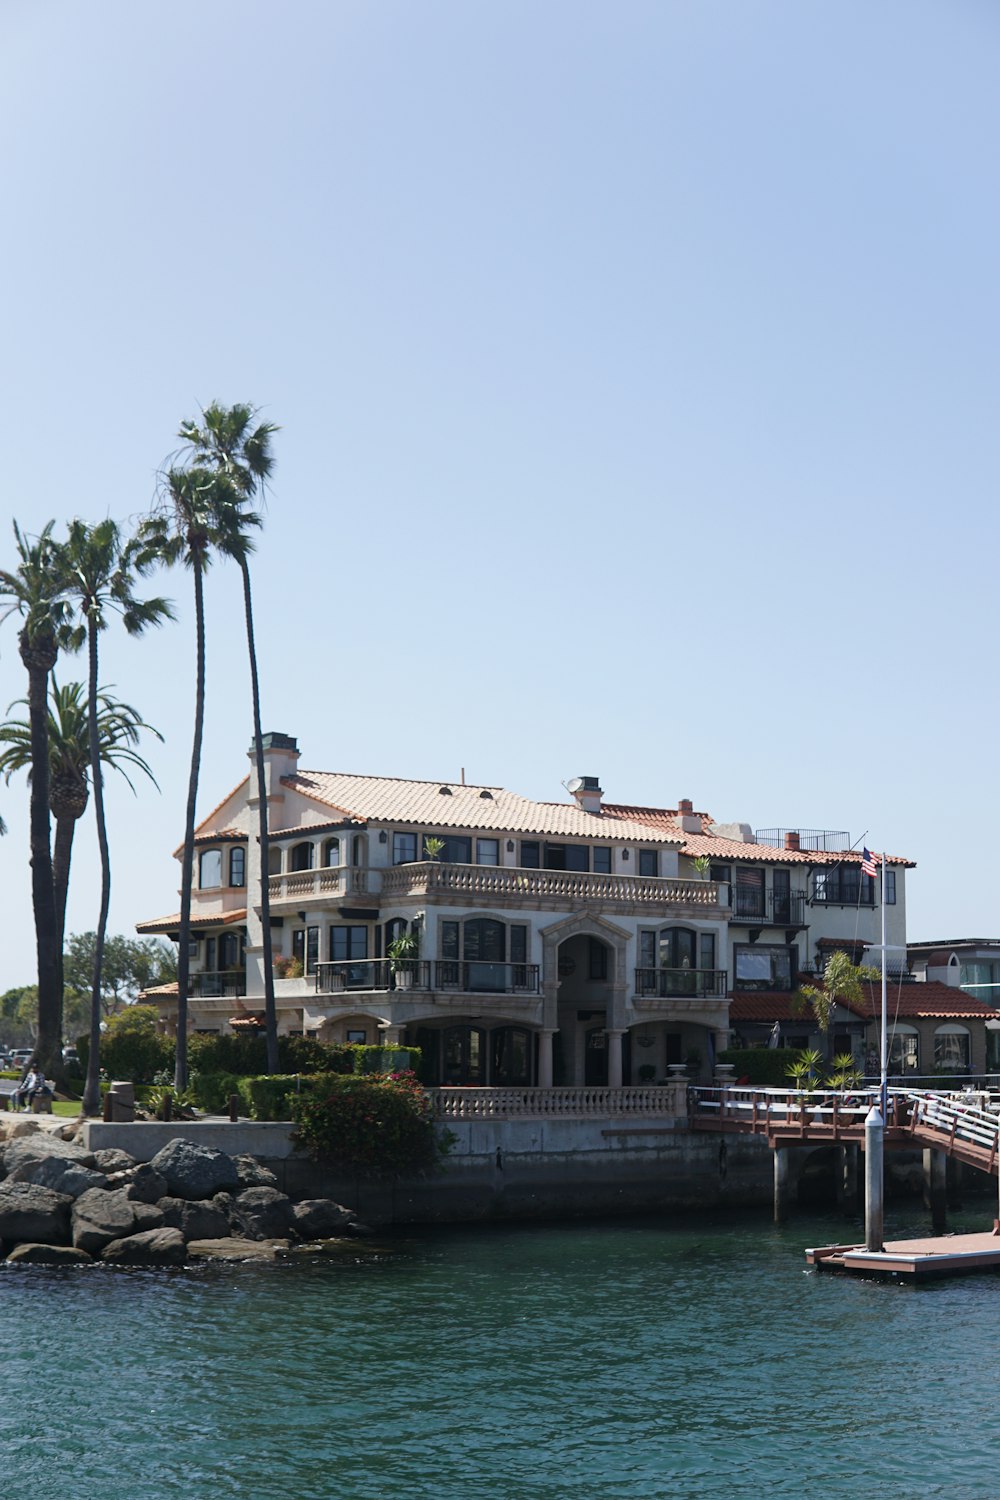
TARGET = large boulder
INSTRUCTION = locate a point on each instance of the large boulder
(47, 1255)
(196, 1221)
(193, 1171)
(262, 1213)
(142, 1183)
(111, 1159)
(35, 1147)
(29, 1212)
(238, 1249)
(61, 1176)
(101, 1216)
(147, 1216)
(320, 1219)
(151, 1247)
(252, 1174)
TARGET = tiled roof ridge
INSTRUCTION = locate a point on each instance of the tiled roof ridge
(467, 786)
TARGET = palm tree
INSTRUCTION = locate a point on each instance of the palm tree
(842, 980)
(34, 590)
(193, 520)
(230, 440)
(101, 571)
(119, 726)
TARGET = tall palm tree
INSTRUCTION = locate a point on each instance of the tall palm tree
(842, 980)
(101, 573)
(194, 519)
(34, 590)
(120, 727)
(238, 447)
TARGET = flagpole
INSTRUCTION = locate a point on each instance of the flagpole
(885, 1010)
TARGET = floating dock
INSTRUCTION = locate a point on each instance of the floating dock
(937, 1255)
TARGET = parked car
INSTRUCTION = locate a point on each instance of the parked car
(20, 1056)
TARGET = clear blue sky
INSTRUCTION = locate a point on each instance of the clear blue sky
(636, 366)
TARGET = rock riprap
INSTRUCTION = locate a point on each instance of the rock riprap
(61, 1205)
(192, 1171)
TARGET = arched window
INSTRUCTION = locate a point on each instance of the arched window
(359, 850)
(302, 856)
(678, 948)
(904, 1050)
(210, 869)
(274, 859)
(952, 1049)
(238, 866)
(331, 853)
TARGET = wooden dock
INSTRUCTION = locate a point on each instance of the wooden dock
(935, 1255)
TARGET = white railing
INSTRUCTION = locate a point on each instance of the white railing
(427, 877)
(340, 880)
(965, 1118)
(507, 1103)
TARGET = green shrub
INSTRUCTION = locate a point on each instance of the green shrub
(766, 1066)
(374, 1125)
(270, 1098)
(136, 1054)
(212, 1091)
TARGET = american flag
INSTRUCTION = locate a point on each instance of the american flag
(868, 865)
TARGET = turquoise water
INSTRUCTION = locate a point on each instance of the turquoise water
(654, 1357)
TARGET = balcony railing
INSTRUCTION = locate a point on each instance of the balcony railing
(339, 881)
(476, 977)
(215, 985)
(665, 983)
(462, 976)
(498, 882)
(844, 893)
(780, 908)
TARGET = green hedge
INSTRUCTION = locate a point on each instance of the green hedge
(767, 1066)
(141, 1055)
(376, 1125)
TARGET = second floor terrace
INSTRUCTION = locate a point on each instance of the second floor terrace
(498, 885)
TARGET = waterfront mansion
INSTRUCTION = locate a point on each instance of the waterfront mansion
(576, 942)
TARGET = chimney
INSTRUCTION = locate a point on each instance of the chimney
(587, 793)
(792, 840)
(688, 819)
(281, 754)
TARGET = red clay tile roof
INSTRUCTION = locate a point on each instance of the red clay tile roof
(728, 850)
(769, 1006)
(931, 1000)
(164, 924)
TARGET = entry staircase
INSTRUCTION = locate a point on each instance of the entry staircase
(965, 1126)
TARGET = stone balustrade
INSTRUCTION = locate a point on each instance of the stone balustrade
(541, 887)
(654, 1101)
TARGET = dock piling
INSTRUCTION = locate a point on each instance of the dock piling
(874, 1178)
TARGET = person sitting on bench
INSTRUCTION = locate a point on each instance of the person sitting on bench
(33, 1086)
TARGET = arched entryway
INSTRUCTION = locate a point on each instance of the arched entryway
(584, 976)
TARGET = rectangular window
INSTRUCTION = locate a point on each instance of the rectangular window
(404, 848)
(748, 893)
(210, 869)
(518, 944)
(348, 942)
(237, 866)
(210, 955)
(299, 945)
(356, 1038)
(649, 862)
(449, 939)
(602, 861)
(706, 950)
(567, 857)
(487, 851)
(647, 950)
(530, 855)
(890, 887)
(312, 949)
(457, 849)
(759, 967)
(598, 959)
(193, 948)
(720, 872)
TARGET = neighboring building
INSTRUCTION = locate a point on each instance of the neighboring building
(574, 943)
(934, 1028)
(971, 963)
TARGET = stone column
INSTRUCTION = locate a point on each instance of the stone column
(545, 1059)
(614, 1046)
(720, 1037)
(392, 1036)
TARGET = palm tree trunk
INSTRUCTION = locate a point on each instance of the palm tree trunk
(49, 1041)
(270, 1010)
(62, 854)
(92, 1089)
(187, 869)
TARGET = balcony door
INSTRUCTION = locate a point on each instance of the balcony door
(748, 894)
(484, 948)
(783, 897)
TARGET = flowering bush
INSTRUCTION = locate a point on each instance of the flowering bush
(377, 1124)
(288, 968)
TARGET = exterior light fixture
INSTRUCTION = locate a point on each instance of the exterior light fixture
(383, 837)
(624, 856)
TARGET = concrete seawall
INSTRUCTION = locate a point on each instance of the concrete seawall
(505, 1169)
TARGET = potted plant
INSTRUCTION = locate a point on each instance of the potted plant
(433, 849)
(402, 953)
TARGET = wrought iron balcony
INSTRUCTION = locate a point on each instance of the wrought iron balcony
(750, 905)
(835, 890)
(665, 983)
(476, 977)
(213, 985)
(372, 974)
